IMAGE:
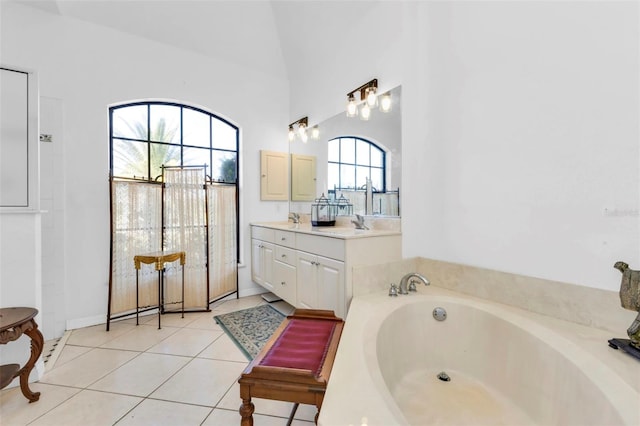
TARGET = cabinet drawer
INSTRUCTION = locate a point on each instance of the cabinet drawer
(323, 246)
(285, 255)
(285, 238)
(264, 234)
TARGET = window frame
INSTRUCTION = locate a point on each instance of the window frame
(355, 164)
(149, 142)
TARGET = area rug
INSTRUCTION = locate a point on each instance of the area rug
(250, 329)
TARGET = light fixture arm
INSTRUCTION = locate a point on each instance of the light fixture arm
(362, 89)
(303, 121)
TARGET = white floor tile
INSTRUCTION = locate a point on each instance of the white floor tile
(16, 410)
(201, 382)
(140, 338)
(159, 413)
(88, 368)
(142, 375)
(223, 348)
(98, 334)
(189, 342)
(89, 408)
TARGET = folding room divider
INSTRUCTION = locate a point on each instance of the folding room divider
(184, 213)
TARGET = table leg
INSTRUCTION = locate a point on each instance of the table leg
(183, 291)
(137, 297)
(37, 343)
(160, 296)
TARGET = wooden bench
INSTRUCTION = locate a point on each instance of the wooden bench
(295, 364)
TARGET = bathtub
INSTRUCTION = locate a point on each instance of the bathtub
(506, 366)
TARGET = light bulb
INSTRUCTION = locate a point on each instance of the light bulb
(352, 108)
(292, 134)
(304, 137)
(365, 112)
(302, 129)
(315, 132)
(385, 102)
(371, 96)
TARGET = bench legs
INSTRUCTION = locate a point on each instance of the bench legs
(246, 411)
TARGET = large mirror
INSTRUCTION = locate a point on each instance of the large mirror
(363, 158)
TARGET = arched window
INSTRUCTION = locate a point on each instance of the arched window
(351, 160)
(146, 135)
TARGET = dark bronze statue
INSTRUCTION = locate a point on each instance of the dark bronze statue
(630, 299)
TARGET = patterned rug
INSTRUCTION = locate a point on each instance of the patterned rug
(251, 328)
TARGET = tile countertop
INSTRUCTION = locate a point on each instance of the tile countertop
(340, 231)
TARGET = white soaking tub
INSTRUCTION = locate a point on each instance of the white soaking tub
(506, 366)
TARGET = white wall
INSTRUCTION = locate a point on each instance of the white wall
(88, 67)
(532, 112)
(520, 126)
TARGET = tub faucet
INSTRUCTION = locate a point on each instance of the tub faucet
(407, 283)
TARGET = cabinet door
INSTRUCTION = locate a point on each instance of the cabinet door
(274, 176)
(330, 285)
(284, 281)
(306, 274)
(262, 263)
(303, 177)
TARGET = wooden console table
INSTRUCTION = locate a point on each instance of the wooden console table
(13, 323)
(159, 258)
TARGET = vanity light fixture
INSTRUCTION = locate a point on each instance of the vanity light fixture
(315, 132)
(369, 100)
(385, 102)
(303, 125)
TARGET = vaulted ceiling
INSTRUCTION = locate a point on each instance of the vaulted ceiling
(279, 37)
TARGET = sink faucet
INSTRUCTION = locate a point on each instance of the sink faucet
(404, 289)
(359, 222)
(295, 217)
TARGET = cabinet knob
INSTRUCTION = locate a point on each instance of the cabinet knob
(283, 239)
(284, 255)
(282, 283)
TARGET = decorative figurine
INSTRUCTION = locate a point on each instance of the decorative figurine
(629, 299)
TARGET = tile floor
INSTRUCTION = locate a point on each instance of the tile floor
(184, 374)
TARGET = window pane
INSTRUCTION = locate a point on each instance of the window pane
(362, 153)
(347, 176)
(334, 151)
(224, 135)
(130, 122)
(348, 150)
(165, 123)
(196, 129)
(377, 179)
(362, 173)
(163, 154)
(333, 176)
(376, 157)
(224, 166)
(196, 157)
(130, 159)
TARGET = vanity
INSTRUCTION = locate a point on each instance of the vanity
(311, 267)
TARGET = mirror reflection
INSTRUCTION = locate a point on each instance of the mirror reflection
(358, 160)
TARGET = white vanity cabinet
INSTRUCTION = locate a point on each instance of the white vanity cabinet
(311, 268)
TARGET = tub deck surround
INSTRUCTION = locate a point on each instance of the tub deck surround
(530, 368)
